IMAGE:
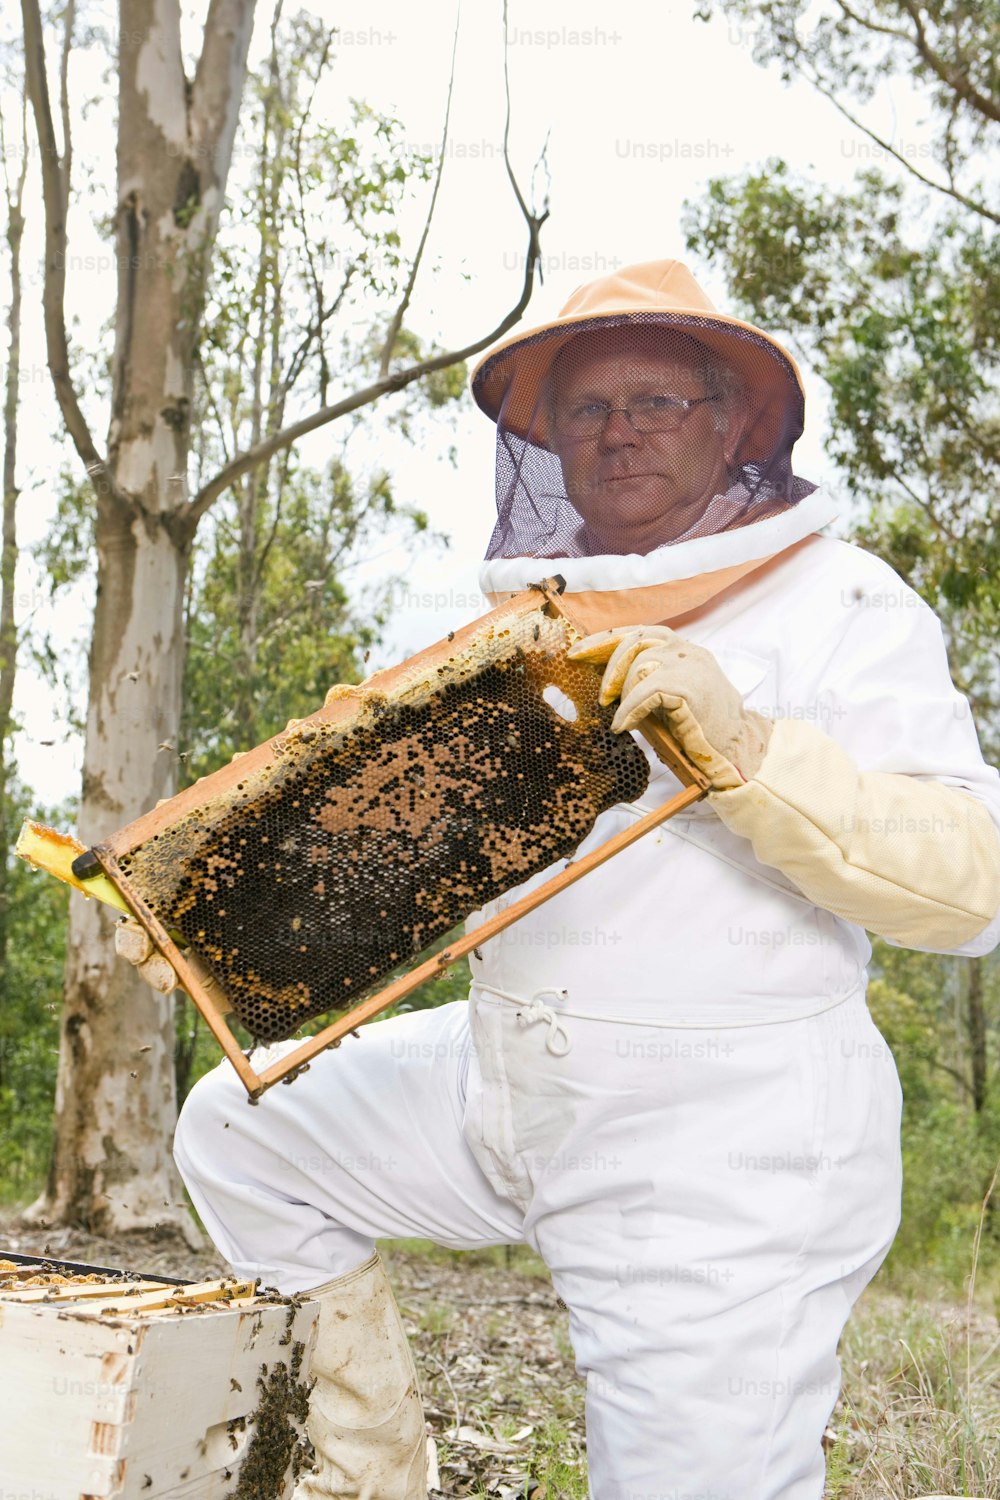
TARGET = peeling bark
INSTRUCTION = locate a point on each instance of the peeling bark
(977, 1035)
(115, 1102)
(8, 548)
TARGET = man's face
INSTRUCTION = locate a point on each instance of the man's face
(636, 490)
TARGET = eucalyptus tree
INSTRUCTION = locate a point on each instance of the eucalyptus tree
(177, 121)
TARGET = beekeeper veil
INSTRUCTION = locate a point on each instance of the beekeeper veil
(643, 440)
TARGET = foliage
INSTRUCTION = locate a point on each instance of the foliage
(945, 49)
(892, 294)
(907, 339)
(309, 251)
(311, 236)
(949, 1150)
(245, 679)
(29, 1012)
(309, 248)
(270, 623)
(890, 291)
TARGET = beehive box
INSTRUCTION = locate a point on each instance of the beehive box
(144, 1389)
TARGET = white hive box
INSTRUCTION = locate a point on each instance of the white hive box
(168, 1391)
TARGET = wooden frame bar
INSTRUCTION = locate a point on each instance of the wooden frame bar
(139, 1296)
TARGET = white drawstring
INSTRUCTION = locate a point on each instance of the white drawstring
(537, 1010)
(533, 1010)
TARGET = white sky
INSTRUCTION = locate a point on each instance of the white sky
(641, 110)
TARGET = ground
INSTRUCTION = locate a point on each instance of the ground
(919, 1414)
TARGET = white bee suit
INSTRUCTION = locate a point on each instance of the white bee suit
(666, 1079)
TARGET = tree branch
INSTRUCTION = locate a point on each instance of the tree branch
(953, 77)
(936, 1062)
(14, 200)
(315, 329)
(940, 526)
(210, 402)
(218, 84)
(55, 196)
(186, 520)
(397, 321)
(265, 551)
(398, 380)
(506, 123)
(940, 187)
(66, 170)
(299, 185)
(867, 24)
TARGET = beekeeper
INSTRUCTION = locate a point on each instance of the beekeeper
(666, 1080)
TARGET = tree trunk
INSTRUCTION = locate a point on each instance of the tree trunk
(977, 1034)
(116, 1099)
(8, 556)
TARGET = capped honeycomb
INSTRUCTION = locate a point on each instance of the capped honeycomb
(353, 841)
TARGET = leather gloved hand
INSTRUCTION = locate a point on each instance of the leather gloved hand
(653, 670)
(133, 943)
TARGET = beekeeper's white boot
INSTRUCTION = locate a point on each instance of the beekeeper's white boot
(366, 1421)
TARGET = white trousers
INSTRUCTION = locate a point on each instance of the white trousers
(710, 1204)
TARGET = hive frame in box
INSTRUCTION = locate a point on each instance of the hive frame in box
(132, 1423)
(201, 986)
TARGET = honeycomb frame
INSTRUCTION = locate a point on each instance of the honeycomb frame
(418, 796)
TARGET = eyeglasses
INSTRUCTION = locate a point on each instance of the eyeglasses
(644, 414)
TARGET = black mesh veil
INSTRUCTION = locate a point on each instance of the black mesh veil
(623, 434)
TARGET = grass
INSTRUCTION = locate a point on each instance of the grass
(519, 1258)
(919, 1412)
(555, 1464)
(436, 1319)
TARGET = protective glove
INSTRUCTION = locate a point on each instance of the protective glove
(133, 943)
(912, 860)
(653, 670)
